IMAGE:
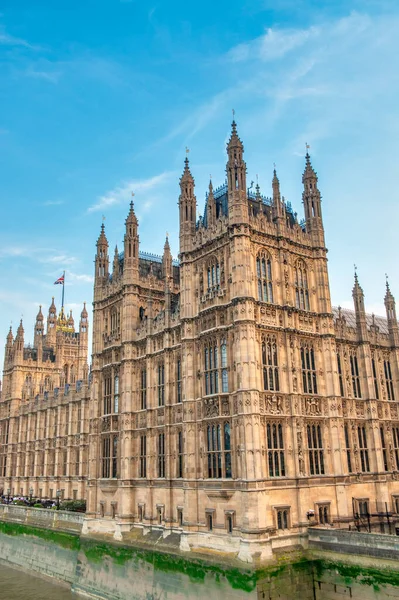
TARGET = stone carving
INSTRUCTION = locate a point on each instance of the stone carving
(313, 406)
(211, 407)
(225, 407)
(359, 409)
(106, 424)
(274, 405)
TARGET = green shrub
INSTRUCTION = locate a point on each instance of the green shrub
(73, 505)
(19, 503)
(38, 505)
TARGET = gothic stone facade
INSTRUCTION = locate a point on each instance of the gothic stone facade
(230, 401)
(44, 409)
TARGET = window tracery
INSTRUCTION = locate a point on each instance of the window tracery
(264, 276)
(270, 364)
(301, 286)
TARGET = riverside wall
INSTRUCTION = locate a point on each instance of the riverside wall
(337, 564)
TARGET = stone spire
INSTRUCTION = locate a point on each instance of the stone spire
(358, 299)
(390, 307)
(102, 260)
(311, 198)
(115, 265)
(187, 208)
(39, 327)
(19, 340)
(71, 322)
(167, 261)
(211, 206)
(131, 247)
(236, 170)
(277, 204)
(8, 349)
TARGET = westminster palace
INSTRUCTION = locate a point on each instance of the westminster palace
(227, 401)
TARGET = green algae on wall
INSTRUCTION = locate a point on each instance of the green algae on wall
(63, 539)
(360, 574)
(195, 569)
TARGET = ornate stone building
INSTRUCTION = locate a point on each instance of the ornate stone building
(43, 409)
(230, 401)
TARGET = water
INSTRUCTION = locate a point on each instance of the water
(17, 585)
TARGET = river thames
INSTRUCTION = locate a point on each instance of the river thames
(17, 585)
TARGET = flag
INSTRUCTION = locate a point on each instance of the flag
(60, 280)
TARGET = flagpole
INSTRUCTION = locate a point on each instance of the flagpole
(63, 290)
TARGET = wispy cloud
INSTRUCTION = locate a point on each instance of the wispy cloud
(80, 277)
(50, 76)
(122, 193)
(6, 39)
(42, 255)
(275, 43)
(9, 40)
(60, 259)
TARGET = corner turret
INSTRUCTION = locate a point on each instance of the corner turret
(390, 307)
(358, 300)
(312, 202)
(39, 327)
(187, 208)
(131, 248)
(236, 179)
(102, 260)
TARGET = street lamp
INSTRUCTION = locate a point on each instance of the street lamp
(8, 495)
(58, 494)
(30, 495)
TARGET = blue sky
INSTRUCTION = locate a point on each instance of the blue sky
(101, 97)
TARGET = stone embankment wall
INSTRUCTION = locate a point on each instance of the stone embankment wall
(348, 564)
(50, 519)
(338, 564)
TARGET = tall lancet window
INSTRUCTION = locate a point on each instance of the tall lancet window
(270, 365)
(301, 286)
(264, 276)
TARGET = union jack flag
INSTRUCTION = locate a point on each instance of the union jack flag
(60, 280)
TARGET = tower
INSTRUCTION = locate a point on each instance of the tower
(236, 179)
(102, 259)
(390, 307)
(277, 209)
(51, 324)
(312, 204)
(115, 265)
(187, 208)
(39, 327)
(131, 248)
(8, 348)
(211, 207)
(358, 300)
(83, 343)
(19, 344)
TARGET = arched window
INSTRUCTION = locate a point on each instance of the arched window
(388, 379)
(270, 365)
(301, 287)
(315, 450)
(213, 275)
(215, 367)
(355, 376)
(219, 451)
(264, 275)
(275, 450)
(116, 394)
(309, 375)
